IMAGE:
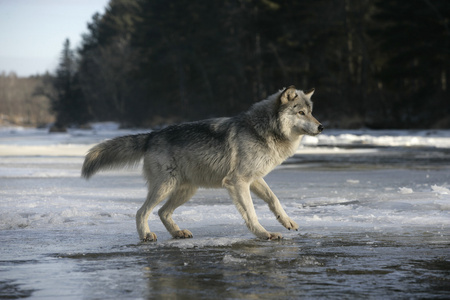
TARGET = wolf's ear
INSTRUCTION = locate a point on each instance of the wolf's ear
(288, 94)
(309, 93)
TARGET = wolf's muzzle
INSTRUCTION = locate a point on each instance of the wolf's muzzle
(320, 128)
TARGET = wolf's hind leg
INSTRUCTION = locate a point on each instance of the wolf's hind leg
(180, 196)
(157, 191)
(262, 190)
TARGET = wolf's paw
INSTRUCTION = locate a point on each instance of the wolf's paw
(150, 237)
(183, 234)
(288, 223)
(274, 236)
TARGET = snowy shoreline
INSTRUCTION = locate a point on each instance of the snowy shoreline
(18, 141)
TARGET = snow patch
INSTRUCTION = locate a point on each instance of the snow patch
(201, 242)
(441, 190)
(353, 181)
(405, 190)
(230, 259)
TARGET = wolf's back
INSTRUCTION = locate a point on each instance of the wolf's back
(116, 153)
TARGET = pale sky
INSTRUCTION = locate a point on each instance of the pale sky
(32, 32)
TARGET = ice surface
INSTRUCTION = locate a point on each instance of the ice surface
(371, 204)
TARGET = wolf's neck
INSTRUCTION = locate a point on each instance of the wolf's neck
(263, 118)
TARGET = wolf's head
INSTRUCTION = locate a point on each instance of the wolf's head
(295, 112)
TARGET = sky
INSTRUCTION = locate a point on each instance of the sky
(32, 32)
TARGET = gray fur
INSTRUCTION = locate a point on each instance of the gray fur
(234, 153)
(116, 153)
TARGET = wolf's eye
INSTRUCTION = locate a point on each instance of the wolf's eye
(301, 113)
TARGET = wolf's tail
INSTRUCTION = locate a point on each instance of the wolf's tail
(116, 153)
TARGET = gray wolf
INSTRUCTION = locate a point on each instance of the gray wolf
(234, 153)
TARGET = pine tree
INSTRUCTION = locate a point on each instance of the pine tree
(105, 64)
(68, 104)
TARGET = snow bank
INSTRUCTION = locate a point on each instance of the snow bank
(19, 141)
(386, 138)
(39, 150)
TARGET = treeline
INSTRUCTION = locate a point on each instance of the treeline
(20, 105)
(376, 64)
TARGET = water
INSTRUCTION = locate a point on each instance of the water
(374, 222)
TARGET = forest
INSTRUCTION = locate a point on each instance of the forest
(20, 105)
(374, 64)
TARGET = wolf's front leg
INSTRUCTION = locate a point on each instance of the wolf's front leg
(240, 193)
(262, 190)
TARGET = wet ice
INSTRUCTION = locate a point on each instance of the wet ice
(373, 209)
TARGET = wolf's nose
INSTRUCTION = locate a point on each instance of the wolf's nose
(320, 128)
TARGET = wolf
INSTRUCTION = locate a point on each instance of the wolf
(234, 153)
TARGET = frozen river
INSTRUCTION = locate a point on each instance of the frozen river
(373, 209)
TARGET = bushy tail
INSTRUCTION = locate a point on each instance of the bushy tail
(116, 153)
